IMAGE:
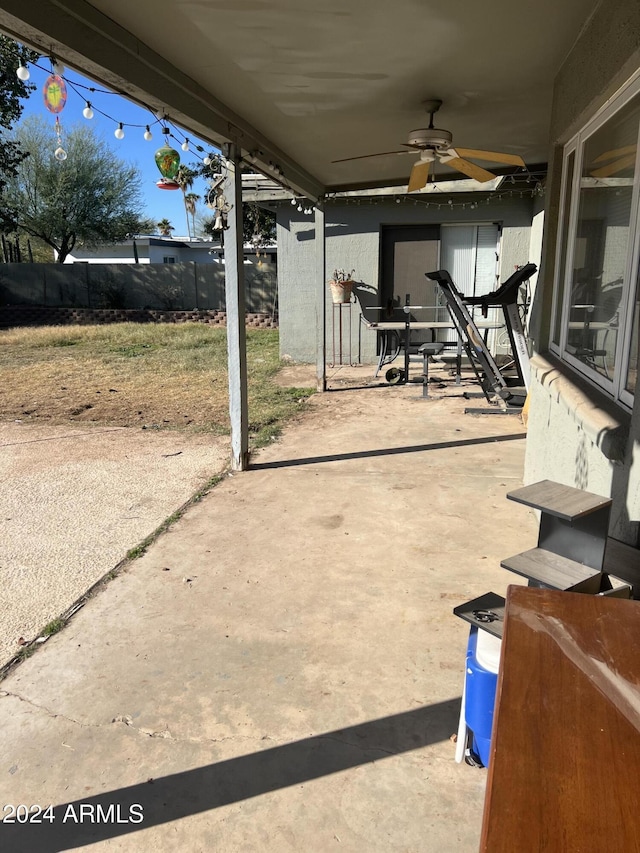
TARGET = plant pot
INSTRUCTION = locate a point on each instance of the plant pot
(341, 291)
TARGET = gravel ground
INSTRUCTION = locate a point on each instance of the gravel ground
(75, 500)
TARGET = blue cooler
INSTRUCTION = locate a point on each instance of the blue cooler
(480, 683)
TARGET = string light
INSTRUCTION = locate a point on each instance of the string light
(90, 109)
(449, 204)
(159, 117)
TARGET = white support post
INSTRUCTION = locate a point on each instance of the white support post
(236, 316)
(321, 302)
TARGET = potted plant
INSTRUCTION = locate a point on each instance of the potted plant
(341, 285)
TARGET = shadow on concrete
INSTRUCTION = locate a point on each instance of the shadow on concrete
(180, 795)
(385, 451)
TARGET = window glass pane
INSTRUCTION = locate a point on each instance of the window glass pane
(564, 225)
(602, 239)
(632, 370)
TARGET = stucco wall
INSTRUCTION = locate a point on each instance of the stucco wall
(353, 242)
(572, 437)
(576, 438)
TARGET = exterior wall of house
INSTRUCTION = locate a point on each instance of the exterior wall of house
(151, 250)
(353, 242)
(119, 254)
(576, 434)
(154, 250)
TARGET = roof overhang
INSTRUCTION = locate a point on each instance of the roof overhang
(298, 85)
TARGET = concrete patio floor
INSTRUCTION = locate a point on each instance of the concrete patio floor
(282, 671)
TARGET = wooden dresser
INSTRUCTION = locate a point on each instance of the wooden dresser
(564, 773)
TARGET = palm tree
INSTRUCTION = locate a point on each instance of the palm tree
(185, 178)
(190, 201)
(165, 227)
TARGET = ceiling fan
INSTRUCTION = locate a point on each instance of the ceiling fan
(435, 143)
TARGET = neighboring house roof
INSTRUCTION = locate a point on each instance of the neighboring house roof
(146, 245)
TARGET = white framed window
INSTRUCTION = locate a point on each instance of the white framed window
(594, 324)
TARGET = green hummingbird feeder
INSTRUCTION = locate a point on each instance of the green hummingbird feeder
(168, 163)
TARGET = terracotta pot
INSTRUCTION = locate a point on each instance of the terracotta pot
(341, 291)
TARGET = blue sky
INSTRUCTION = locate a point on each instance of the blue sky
(158, 204)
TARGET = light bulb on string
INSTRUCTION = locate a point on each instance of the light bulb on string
(207, 160)
(23, 72)
(119, 133)
(293, 202)
(57, 66)
(87, 112)
(148, 135)
(185, 145)
(299, 208)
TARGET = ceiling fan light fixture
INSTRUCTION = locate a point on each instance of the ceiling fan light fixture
(432, 137)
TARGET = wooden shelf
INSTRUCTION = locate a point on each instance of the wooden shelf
(565, 750)
(623, 561)
(564, 502)
(548, 568)
(479, 612)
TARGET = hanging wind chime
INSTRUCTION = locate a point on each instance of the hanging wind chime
(168, 162)
(54, 93)
(216, 201)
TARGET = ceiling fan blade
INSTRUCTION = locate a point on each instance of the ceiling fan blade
(493, 156)
(380, 154)
(615, 167)
(469, 169)
(419, 175)
(617, 152)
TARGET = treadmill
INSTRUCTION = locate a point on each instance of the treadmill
(507, 391)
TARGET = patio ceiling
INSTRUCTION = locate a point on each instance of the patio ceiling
(299, 84)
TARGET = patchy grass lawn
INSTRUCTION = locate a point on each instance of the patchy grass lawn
(155, 376)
